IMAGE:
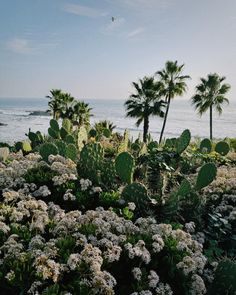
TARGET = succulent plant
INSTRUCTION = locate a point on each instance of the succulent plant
(26, 146)
(183, 141)
(67, 125)
(61, 145)
(90, 162)
(82, 137)
(152, 145)
(124, 163)
(123, 147)
(225, 278)
(53, 133)
(108, 173)
(206, 175)
(48, 149)
(106, 132)
(137, 193)
(205, 146)
(71, 152)
(63, 133)
(54, 125)
(92, 133)
(222, 148)
(70, 139)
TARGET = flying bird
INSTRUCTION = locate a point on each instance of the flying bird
(112, 19)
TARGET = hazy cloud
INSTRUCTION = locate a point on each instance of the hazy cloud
(19, 45)
(27, 46)
(84, 10)
(144, 4)
(135, 32)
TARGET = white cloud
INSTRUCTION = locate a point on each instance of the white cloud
(28, 46)
(144, 4)
(135, 32)
(84, 10)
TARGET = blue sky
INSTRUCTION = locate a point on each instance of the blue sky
(75, 46)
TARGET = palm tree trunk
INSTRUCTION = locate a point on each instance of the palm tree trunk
(165, 118)
(145, 129)
(210, 122)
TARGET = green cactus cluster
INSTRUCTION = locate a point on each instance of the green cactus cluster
(137, 193)
(123, 147)
(91, 162)
(221, 147)
(108, 173)
(124, 163)
(48, 149)
(224, 279)
(82, 137)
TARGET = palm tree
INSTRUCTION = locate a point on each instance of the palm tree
(210, 93)
(104, 124)
(145, 103)
(173, 84)
(81, 113)
(55, 103)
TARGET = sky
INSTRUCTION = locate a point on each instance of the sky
(75, 46)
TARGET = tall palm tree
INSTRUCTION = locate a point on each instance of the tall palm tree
(173, 84)
(81, 113)
(145, 102)
(210, 93)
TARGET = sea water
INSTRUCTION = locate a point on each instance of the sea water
(15, 112)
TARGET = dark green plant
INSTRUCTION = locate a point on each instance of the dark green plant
(124, 163)
(71, 151)
(183, 141)
(222, 148)
(48, 149)
(206, 146)
(206, 175)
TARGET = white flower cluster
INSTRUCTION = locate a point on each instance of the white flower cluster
(85, 184)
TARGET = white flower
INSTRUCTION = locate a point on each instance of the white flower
(137, 273)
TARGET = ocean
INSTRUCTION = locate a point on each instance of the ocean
(15, 112)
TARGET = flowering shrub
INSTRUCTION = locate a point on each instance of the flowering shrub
(97, 252)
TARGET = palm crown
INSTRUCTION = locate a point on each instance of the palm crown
(174, 84)
(210, 94)
(145, 102)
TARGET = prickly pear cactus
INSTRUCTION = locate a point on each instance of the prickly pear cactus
(123, 147)
(48, 149)
(63, 133)
(170, 142)
(82, 137)
(184, 188)
(26, 146)
(137, 193)
(124, 163)
(205, 146)
(70, 139)
(206, 175)
(71, 152)
(225, 278)
(90, 162)
(67, 125)
(54, 125)
(61, 147)
(108, 174)
(135, 147)
(183, 141)
(222, 148)
(53, 133)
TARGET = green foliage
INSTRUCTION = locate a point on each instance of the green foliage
(70, 139)
(92, 133)
(124, 163)
(224, 280)
(183, 141)
(91, 161)
(63, 133)
(108, 173)
(71, 151)
(206, 175)
(107, 132)
(205, 145)
(26, 146)
(232, 142)
(61, 145)
(48, 149)
(222, 148)
(152, 145)
(123, 146)
(136, 193)
(53, 133)
(52, 290)
(40, 175)
(54, 125)
(110, 198)
(82, 137)
(67, 125)
(184, 189)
